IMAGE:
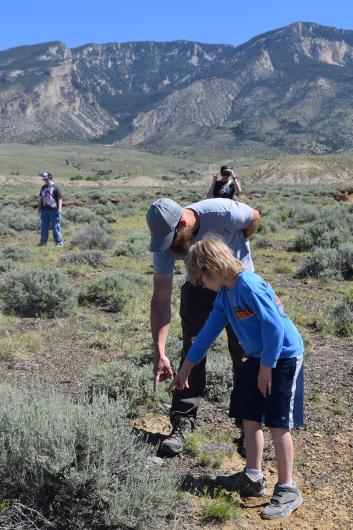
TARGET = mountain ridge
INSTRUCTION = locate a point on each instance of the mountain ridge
(285, 91)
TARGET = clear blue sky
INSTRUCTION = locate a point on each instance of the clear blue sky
(79, 22)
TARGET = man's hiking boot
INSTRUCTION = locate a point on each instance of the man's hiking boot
(243, 484)
(284, 501)
(174, 444)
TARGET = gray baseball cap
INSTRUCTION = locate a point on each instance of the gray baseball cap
(162, 218)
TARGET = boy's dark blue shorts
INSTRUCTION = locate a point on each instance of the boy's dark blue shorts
(283, 408)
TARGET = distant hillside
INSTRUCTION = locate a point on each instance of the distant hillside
(286, 91)
(117, 166)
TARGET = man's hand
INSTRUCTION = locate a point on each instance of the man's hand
(161, 371)
(264, 380)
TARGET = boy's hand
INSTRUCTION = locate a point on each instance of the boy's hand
(181, 379)
(264, 380)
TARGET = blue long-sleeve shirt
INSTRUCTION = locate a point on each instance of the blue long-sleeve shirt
(256, 315)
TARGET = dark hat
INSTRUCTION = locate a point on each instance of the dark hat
(46, 175)
(226, 168)
(162, 218)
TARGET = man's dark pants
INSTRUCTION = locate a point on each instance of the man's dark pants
(195, 305)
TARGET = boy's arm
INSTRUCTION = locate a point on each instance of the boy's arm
(217, 320)
(181, 378)
(272, 329)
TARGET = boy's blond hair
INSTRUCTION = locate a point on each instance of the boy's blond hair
(211, 255)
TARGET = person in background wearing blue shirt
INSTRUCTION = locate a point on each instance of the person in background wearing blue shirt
(269, 385)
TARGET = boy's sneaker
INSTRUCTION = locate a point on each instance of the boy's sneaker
(61, 244)
(174, 444)
(284, 501)
(242, 483)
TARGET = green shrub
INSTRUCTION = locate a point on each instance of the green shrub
(303, 213)
(17, 253)
(331, 229)
(342, 317)
(219, 376)
(81, 454)
(94, 258)
(262, 242)
(329, 263)
(5, 230)
(18, 220)
(302, 242)
(78, 214)
(322, 263)
(76, 177)
(125, 379)
(108, 211)
(134, 245)
(93, 237)
(6, 265)
(345, 260)
(37, 293)
(267, 225)
(110, 291)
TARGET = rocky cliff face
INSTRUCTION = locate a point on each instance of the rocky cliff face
(40, 100)
(289, 89)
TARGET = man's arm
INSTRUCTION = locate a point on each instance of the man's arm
(60, 205)
(160, 320)
(251, 228)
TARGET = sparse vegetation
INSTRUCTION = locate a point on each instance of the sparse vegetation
(220, 507)
(15, 345)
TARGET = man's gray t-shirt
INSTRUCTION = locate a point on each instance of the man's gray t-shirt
(223, 217)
